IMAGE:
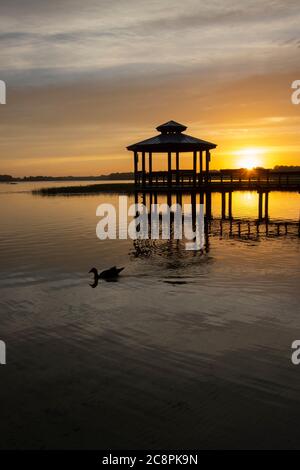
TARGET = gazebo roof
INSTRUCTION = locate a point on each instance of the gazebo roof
(171, 139)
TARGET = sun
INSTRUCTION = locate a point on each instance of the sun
(249, 157)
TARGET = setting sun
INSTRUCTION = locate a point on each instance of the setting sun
(249, 157)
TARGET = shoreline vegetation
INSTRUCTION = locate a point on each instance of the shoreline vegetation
(121, 188)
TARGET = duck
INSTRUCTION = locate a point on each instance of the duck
(107, 274)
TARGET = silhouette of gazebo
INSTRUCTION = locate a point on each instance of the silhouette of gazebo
(171, 141)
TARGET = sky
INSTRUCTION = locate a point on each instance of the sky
(86, 79)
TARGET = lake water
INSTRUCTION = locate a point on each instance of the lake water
(186, 350)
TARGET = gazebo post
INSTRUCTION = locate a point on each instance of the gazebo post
(136, 162)
(230, 204)
(194, 167)
(266, 205)
(193, 204)
(207, 166)
(208, 204)
(143, 169)
(150, 167)
(177, 168)
(260, 205)
(201, 167)
(169, 168)
(223, 205)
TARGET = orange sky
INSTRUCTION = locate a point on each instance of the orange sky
(83, 83)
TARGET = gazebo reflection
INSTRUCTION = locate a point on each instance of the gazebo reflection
(226, 226)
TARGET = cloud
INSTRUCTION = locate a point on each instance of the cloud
(87, 78)
(69, 37)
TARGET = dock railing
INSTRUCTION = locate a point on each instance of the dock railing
(223, 179)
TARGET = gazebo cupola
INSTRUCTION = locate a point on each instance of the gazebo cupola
(171, 127)
(171, 141)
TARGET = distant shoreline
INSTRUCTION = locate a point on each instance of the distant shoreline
(126, 176)
(110, 177)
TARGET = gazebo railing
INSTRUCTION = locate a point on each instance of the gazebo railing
(165, 178)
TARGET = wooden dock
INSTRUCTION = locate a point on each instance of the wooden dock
(224, 180)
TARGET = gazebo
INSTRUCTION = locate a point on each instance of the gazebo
(171, 141)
